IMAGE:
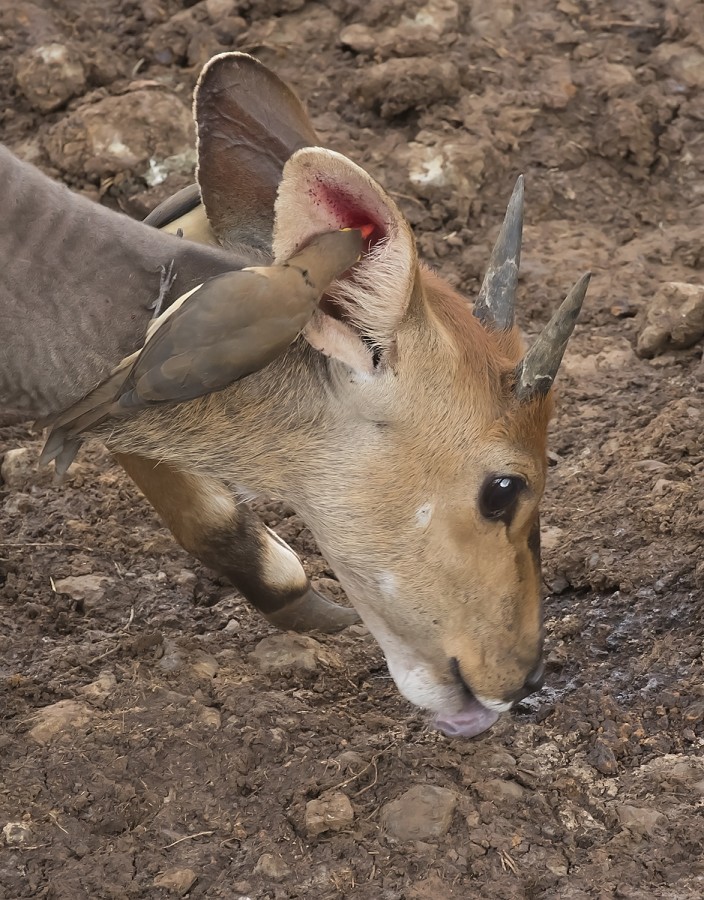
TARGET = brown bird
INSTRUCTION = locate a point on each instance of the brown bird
(225, 329)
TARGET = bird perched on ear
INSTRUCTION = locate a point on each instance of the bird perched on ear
(225, 329)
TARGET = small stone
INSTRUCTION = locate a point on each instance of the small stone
(272, 866)
(101, 688)
(204, 665)
(179, 880)
(17, 468)
(17, 833)
(332, 812)
(639, 818)
(674, 319)
(59, 717)
(286, 652)
(49, 75)
(603, 759)
(83, 588)
(210, 717)
(423, 813)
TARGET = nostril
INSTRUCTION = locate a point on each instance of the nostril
(535, 680)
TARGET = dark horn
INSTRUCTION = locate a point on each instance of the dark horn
(497, 297)
(537, 371)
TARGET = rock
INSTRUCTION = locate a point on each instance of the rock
(286, 652)
(137, 131)
(84, 588)
(674, 319)
(179, 880)
(332, 812)
(17, 467)
(101, 688)
(683, 63)
(603, 759)
(49, 75)
(639, 819)
(394, 86)
(17, 833)
(272, 866)
(59, 717)
(423, 813)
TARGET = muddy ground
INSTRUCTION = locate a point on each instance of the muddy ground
(172, 764)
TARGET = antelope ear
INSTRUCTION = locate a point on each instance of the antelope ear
(358, 318)
(248, 124)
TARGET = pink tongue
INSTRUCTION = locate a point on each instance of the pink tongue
(469, 722)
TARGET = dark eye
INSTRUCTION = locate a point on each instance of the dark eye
(499, 495)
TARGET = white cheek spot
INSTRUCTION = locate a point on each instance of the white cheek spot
(424, 514)
(388, 585)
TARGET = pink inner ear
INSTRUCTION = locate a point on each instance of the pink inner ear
(346, 211)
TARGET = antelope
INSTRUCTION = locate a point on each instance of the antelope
(405, 425)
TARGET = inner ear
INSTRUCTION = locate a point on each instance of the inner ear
(358, 318)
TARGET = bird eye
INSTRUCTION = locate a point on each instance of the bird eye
(499, 495)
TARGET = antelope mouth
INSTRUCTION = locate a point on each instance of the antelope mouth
(473, 719)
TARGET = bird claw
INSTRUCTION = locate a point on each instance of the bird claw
(168, 276)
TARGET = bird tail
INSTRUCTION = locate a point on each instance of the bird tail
(63, 441)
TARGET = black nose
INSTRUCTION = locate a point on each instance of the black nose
(535, 680)
(532, 684)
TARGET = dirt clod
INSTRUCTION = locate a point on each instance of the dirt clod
(272, 866)
(17, 468)
(49, 75)
(59, 719)
(674, 319)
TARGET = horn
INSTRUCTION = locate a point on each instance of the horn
(497, 296)
(537, 371)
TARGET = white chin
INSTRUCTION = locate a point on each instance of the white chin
(456, 714)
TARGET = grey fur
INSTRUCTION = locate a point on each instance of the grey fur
(78, 284)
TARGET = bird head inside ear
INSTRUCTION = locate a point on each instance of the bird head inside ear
(358, 318)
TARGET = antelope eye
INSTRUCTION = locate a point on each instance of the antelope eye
(499, 495)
